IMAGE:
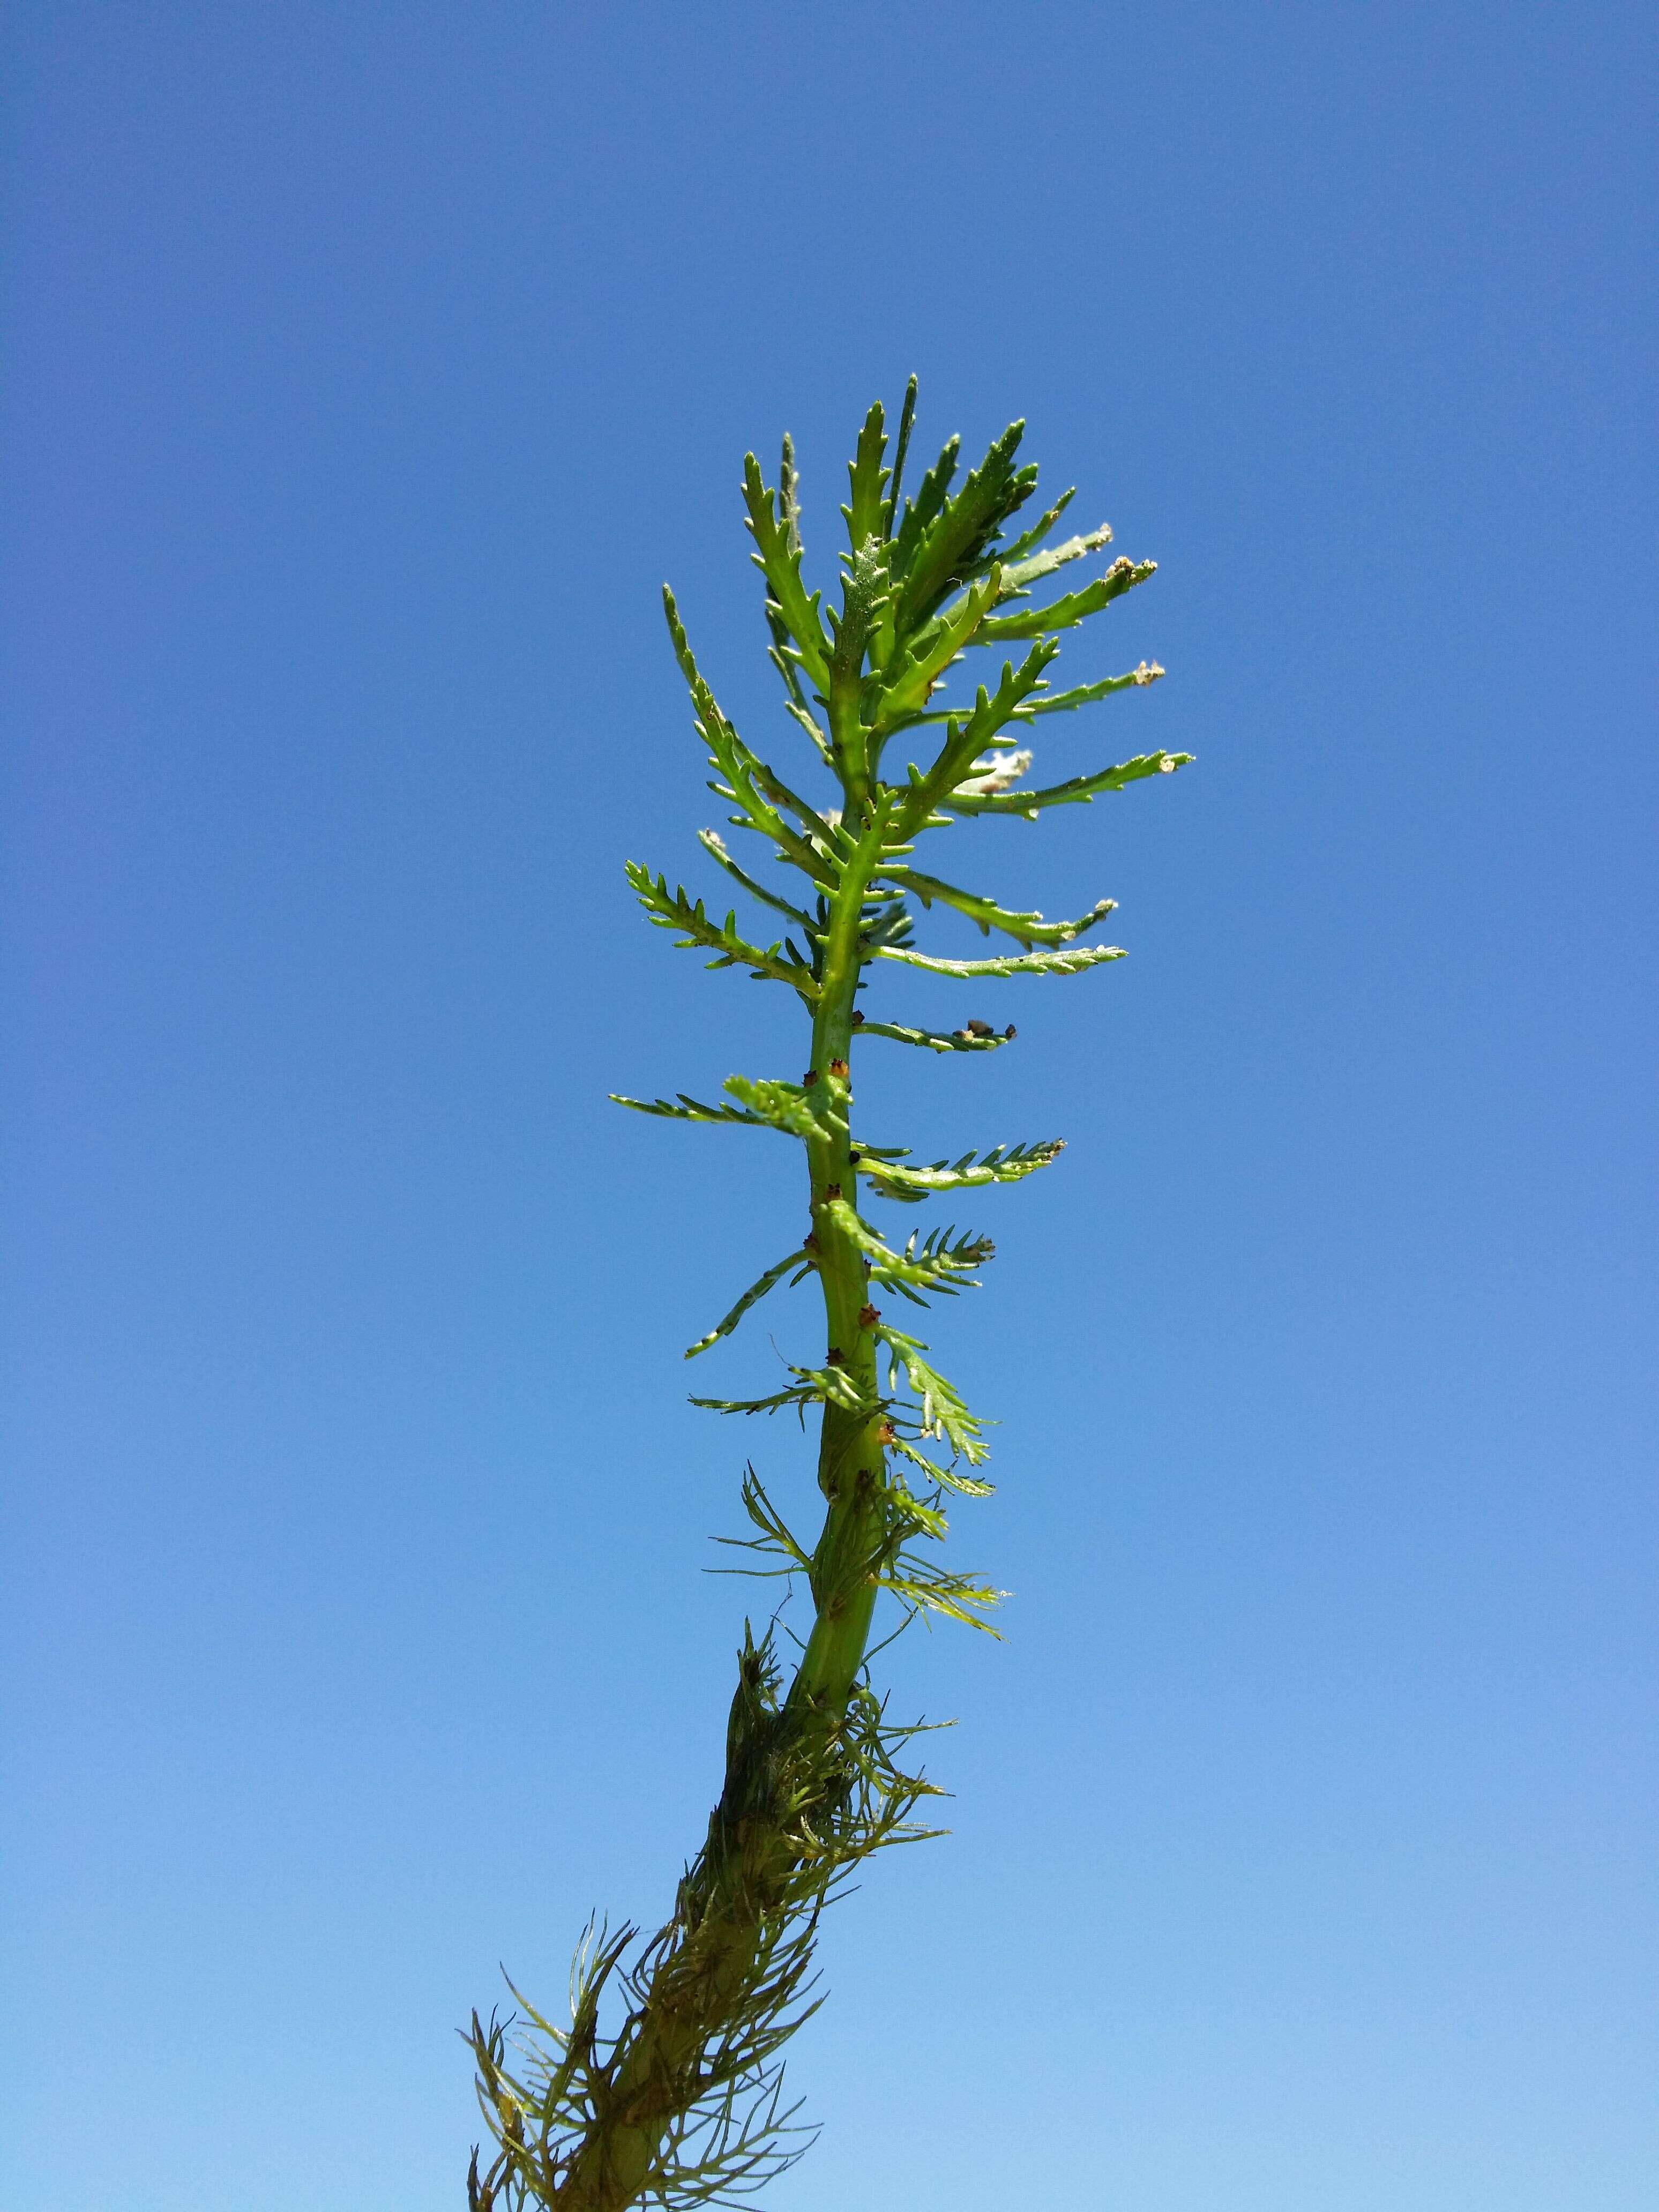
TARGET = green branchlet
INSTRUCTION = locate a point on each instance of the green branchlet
(666, 2087)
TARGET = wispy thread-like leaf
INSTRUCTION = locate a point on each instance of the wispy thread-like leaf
(757, 1290)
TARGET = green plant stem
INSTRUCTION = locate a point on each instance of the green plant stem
(751, 1855)
(851, 1459)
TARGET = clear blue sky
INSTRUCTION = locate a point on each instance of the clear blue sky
(368, 367)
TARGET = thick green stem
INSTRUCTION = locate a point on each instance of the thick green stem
(850, 1453)
(614, 2169)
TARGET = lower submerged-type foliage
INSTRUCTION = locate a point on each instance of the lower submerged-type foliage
(666, 2086)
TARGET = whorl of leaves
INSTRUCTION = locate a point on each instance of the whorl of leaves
(575, 2117)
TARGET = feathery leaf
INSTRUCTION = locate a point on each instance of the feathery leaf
(1027, 929)
(907, 423)
(869, 478)
(966, 740)
(1077, 606)
(1079, 790)
(950, 548)
(1018, 574)
(714, 845)
(780, 1105)
(1039, 530)
(1059, 960)
(908, 688)
(778, 554)
(935, 1039)
(934, 1264)
(748, 781)
(693, 1109)
(675, 910)
(944, 1415)
(1002, 1163)
(1084, 694)
(752, 1297)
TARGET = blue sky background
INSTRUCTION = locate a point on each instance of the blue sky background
(368, 367)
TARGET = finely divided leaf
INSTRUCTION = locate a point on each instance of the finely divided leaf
(825, 1386)
(934, 1040)
(907, 424)
(1077, 606)
(918, 1583)
(752, 1297)
(1002, 1163)
(911, 683)
(779, 556)
(1062, 960)
(780, 1105)
(965, 741)
(1084, 694)
(1040, 529)
(1016, 574)
(782, 962)
(934, 1264)
(693, 1109)
(714, 845)
(776, 1536)
(1079, 790)
(952, 1478)
(951, 547)
(921, 510)
(869, 478)
(748, 780)
(1027, 929)
(942, 1412)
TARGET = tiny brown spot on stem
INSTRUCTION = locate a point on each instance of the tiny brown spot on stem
(868, 1317)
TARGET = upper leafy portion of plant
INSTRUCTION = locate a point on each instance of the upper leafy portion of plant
(927, 580)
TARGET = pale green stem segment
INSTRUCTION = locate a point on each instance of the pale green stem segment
(844, 1579)
(851, 1459)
